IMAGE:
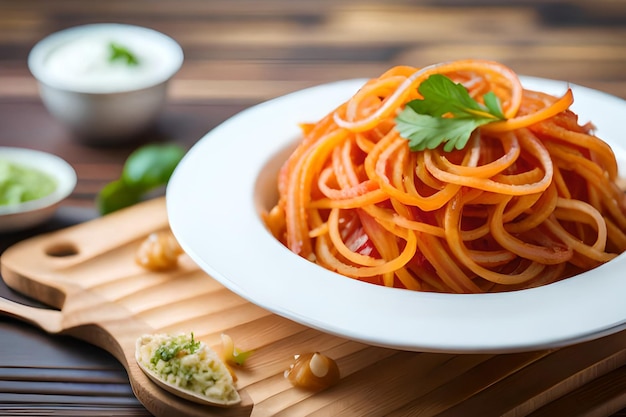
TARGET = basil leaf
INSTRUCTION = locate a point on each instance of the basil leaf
(146, 169)
(151, 165)
(117, 195)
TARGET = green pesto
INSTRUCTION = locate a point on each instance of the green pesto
(20, 183)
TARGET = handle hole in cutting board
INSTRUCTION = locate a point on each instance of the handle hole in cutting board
(61, 250)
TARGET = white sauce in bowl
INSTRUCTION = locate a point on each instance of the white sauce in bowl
(86, 63)
(79, 59)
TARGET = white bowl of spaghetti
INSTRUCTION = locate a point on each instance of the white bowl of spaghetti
(510, 243)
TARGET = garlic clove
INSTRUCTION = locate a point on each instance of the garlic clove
(159, 251)
(313, 371)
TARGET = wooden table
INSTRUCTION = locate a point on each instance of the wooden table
(239, 53)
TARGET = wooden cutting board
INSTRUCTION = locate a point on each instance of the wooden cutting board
(88, 273)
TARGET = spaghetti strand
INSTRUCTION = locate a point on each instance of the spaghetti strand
(529, 200)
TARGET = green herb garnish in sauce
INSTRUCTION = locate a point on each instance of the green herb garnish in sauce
(182, 345)
(446, 114)
(21, 183)
(121, 53)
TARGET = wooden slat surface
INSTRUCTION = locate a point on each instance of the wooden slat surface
(241, 52)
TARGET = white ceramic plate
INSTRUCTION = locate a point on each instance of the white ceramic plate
(217, 192)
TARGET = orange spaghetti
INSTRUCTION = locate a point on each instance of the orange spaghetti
(530, 200)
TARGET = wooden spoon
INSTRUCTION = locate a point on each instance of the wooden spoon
(185, 393)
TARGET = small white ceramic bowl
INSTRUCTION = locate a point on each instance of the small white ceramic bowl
(31, 213)
(100, 99)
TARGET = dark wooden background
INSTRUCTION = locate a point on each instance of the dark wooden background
(237, 54)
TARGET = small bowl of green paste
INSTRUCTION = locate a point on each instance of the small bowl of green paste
(32, 185)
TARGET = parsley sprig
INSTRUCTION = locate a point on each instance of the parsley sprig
(119, 52)
(446, 114)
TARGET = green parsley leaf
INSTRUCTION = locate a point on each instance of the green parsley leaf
(493, 104)
(446, 114)
(427, 132)
(121, 53)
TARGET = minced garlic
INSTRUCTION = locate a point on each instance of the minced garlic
(184, 362)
